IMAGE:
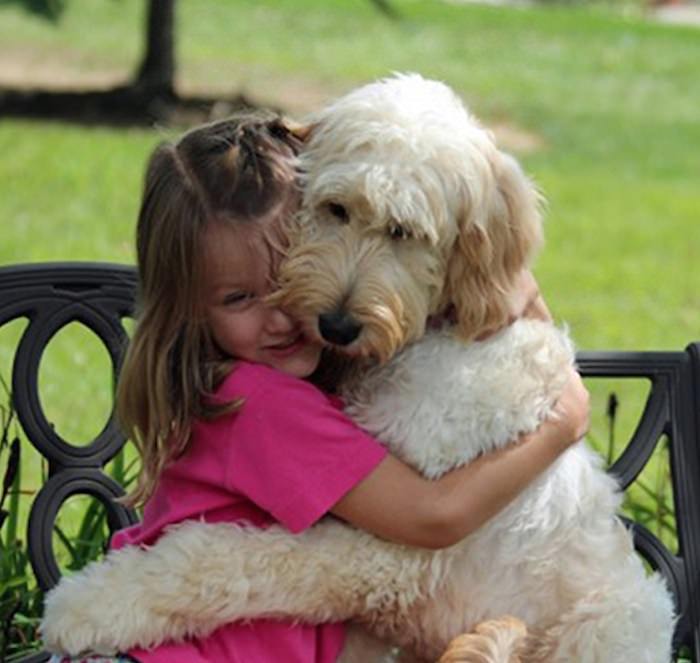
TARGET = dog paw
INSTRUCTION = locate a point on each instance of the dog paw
(73, 627)
(98, 610)
(78, 641)
(492, 641)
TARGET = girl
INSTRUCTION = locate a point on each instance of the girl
(213, 392)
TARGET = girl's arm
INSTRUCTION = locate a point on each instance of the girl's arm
(525, 301)
(396, 503)
(200, 576)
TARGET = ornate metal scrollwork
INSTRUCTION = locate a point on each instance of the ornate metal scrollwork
(99, 296)
(51, 296)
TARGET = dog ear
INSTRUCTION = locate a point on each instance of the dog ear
(499, 231)
(301, 132)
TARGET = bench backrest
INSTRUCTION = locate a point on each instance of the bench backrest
(100, 296)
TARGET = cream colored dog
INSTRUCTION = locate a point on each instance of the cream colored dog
(410, 211)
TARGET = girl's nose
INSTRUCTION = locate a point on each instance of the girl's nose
(278, 321)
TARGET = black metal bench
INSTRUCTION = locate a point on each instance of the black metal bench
(99, 296)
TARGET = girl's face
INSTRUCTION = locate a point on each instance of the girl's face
(236, 280)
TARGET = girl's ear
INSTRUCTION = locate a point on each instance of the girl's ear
(498, 237)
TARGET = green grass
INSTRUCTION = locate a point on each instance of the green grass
(69, 192)
(611, 101)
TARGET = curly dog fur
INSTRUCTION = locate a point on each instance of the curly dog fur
(410, 212)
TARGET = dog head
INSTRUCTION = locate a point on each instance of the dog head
(408, 211)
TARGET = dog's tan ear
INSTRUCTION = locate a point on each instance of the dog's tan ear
(498, 237)
(300, 131)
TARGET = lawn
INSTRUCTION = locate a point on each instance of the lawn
(607, 105)
(602, 108)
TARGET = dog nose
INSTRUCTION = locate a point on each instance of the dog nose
(338, 327)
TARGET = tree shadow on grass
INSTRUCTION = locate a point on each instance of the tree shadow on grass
(126, 106)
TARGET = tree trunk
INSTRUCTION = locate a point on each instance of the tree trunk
(386, 8)
(156, 74)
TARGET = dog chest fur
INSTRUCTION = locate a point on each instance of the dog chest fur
(440, 402)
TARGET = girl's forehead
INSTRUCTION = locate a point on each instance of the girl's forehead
(234, 252)
(222, 240)
(237, 243)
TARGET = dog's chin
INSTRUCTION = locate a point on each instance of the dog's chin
(359, 351)
(355, 350)
(364, 348)
(360, 348)
(372, 346)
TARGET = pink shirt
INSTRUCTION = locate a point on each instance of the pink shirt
(287, 456)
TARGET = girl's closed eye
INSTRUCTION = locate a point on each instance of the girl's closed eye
(239, 298)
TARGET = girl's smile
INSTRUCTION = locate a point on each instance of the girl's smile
(286, 349)
(236, 282)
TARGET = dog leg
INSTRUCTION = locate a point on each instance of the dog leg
(200, 576)
(492, 641)
(630, 620)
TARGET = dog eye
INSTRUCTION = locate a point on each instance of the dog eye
(339, 212)
(398, 232)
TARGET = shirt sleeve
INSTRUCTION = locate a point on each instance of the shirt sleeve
(294, 453)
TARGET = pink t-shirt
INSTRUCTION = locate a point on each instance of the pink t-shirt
(287, 456)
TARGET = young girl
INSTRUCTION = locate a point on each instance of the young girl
(213, 391)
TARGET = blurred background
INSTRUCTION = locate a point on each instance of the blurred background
(600, 101)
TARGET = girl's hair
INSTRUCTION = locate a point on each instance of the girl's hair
(231, 171)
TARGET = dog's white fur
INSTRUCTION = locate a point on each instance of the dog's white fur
(404, 152)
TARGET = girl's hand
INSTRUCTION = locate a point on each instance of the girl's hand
(526, 300)
(569, 421)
